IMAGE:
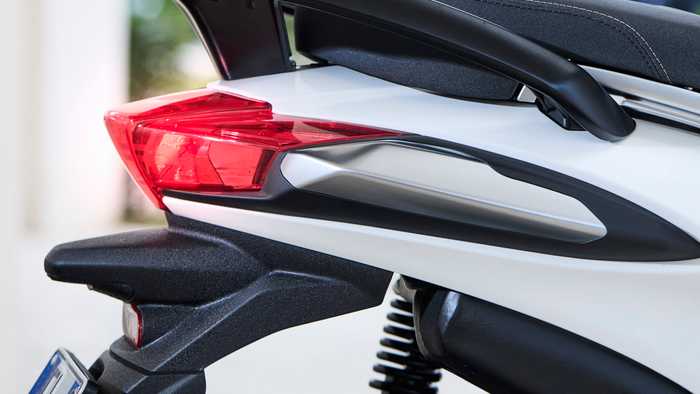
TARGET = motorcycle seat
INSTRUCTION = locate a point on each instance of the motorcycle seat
(653, 42)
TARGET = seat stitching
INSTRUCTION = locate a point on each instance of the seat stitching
(463, 11)
(635, 32)
(625, 33)
(615, 19)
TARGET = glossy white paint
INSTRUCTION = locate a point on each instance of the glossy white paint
(655, 167)
(647, 311)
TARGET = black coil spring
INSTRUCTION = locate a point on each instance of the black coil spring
(412, 373)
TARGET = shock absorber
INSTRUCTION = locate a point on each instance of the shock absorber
(405, 369)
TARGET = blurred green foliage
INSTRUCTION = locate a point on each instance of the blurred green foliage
(159, 31)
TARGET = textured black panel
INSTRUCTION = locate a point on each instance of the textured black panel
(504, 351)
(299, 286)
(113, 376)
(392, 57)
(574, 99)
(189, 267)
(654, 42)
(205, 292)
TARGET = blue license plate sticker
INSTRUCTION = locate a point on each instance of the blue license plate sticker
(60, 376)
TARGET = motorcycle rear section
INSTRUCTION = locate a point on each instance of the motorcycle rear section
(526, 224)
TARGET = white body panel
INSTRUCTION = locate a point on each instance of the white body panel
(655, 167)
(646, 311)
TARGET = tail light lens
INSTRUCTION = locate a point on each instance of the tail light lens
(212, 142)
(132, 324)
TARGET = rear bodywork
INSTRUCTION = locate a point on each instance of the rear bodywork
(627, 301)
(509, 204)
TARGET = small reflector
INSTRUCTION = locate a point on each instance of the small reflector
(132, 324)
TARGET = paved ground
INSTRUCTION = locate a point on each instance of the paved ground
(333, 356)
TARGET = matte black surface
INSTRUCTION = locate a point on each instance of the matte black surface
(395, 58)
(634, 233)
(577, 95)
(159, 319)
(652, 42)
(188, 267)
(116, 377)
(504, 351)
(245, 38)
(205, 292)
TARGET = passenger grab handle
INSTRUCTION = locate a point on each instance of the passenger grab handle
(565, 92)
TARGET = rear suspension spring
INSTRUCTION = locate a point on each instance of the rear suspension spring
(406, 371)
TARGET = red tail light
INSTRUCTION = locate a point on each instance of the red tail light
(206, 141)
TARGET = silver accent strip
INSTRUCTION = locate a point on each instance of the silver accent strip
(650, 97)
(663, 111)
(526, 95)
(407, 178)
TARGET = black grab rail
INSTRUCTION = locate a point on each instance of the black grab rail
(246, 38)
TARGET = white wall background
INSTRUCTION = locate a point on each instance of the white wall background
(64, 64)
(80, 71)
(10, 115)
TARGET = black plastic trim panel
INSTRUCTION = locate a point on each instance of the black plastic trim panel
(504, 351)
(634, 233)
(247, 38)
(204, 292)
(115, 376)
(565, 91)
(244, 38)
(329, 38)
